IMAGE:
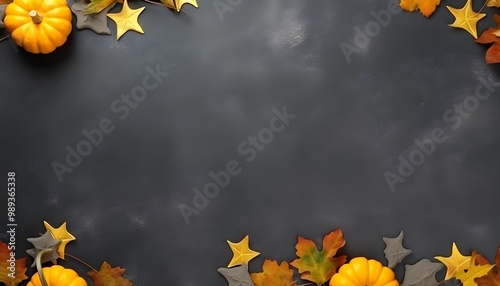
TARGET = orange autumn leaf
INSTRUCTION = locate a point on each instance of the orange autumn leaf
(108, 276)
(493, 277)
(274, 274)
(489, 36)
(5, 2)
(426, 7)
(319, 266)
(6, 276)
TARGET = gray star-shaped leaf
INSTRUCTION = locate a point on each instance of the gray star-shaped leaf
(43, 242)
(2, 15)
(422, 273)
(394, 250)
(237, 276)
(95, 22)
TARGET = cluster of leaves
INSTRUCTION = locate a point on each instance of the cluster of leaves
(472, 270)
(55, 239)
(96, 6)
(319, 266)
(492, 36)
(428, 7)
(468, 20)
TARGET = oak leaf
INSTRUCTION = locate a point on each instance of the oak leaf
(493, 277)
(319, 266)
(274, 274)
(107, 276)
(5, 274)
(474, 271)
(426, 7)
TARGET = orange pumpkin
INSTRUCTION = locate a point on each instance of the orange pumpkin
(39, 26)
(57, 275)
(363, 272)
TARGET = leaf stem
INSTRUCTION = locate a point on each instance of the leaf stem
(81, 261)
(38, 263)
(153, 2)
(485, 2)
(4, 38)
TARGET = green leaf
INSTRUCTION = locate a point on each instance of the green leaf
(319, 266)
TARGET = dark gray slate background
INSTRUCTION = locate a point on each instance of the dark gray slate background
(324, 171)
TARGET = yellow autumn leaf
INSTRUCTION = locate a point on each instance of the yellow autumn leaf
(493, 3)
(474, 271)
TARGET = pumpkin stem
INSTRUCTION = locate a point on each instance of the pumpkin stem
(35, 17)
(38, 262)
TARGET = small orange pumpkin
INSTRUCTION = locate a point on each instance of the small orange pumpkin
(39, 26)
(363, 272)
(57, 275)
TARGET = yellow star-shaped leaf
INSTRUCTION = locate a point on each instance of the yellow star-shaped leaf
(474, 271)
(61, 234)
(241, 252)
(127, 20)
(456, 263)
(466, 18)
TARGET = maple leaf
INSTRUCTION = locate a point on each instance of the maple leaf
(107, 276)
(274, 274)
(492, 278)
(475, 271)
(491, 35)
(319, 266)
(426, 7)
(5, 272)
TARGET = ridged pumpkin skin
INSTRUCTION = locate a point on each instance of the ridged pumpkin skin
(44, 37)
(363, 272)
(57, 275)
